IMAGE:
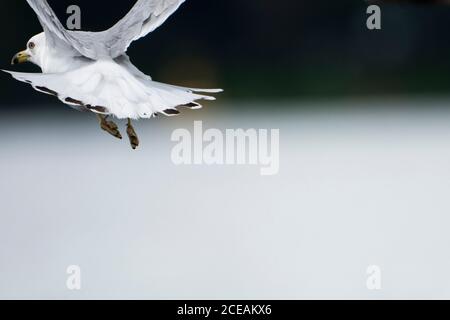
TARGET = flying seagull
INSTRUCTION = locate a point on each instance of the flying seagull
(90, 71)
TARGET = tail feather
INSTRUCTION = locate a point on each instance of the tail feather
(207, 90)
(107, 88)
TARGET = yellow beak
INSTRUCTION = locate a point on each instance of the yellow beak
(21, 57)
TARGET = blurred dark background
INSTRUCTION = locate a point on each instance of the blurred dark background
(265, 49)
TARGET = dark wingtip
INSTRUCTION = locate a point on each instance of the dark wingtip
(171, 112)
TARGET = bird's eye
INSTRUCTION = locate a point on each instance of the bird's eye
(31, 45)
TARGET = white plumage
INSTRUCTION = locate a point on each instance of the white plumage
(91, 71)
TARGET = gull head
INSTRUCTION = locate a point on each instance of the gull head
(33, 53)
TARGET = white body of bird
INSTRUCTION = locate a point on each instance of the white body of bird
(91, 70)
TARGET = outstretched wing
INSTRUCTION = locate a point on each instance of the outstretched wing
(109, 88)
(55, 32)
(143, 18)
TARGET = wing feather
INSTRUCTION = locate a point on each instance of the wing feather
(55, 32)
(144, 17)
(110, 88)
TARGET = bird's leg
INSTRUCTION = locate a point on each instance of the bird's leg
(109, 126)
(134, 140)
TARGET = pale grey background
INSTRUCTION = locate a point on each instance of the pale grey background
(357, 186)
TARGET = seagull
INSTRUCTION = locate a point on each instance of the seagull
(91, 71)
